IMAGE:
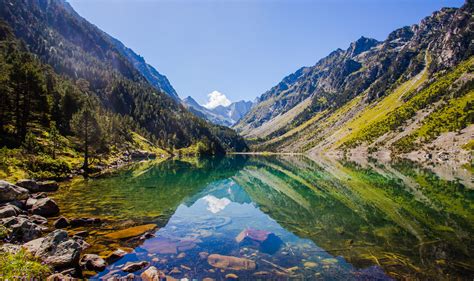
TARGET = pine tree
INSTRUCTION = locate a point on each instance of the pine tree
(85, 126)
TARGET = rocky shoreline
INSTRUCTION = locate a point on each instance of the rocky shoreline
(30, 220)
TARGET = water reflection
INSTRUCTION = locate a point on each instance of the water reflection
(291, 216)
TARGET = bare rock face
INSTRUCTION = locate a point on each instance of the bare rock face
(10, 192)
(56, 249)
(229, 262)
(45, 207)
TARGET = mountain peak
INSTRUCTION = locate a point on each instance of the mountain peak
(361, 45)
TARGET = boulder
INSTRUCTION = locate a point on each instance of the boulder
(22, 228)
(152, 274)
(9, 210)
(41, 186)
(265, 241)
(48, 186)
(92, 262)
(56, 249)
(38, 219)
(45, 207)
(10, 192)
(134, 266)
(29, 184)
(229, 262)
(62, 222)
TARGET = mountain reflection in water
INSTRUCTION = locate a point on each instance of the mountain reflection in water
(286, 216)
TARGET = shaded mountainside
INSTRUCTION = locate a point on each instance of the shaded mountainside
(221, 115)
(120, 80)
(157, 80)
(373, 91)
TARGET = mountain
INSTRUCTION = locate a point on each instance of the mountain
(220, 115)
(386, 97)
(118, 80)
(157, 80)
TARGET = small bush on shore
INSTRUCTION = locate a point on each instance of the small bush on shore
(21, 266)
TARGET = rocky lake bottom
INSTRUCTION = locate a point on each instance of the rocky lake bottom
(274, 218)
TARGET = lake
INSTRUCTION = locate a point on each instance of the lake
(281, 218)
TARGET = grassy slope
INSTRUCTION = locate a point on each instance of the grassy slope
(396, 118)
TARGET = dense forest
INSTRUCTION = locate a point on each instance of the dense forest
(67, 92)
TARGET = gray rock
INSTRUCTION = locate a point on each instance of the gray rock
(9, 210)
(45, 207)
(39, 219)
(41, 186)
(22, 228)
(10, 248)
(56, 249)
(62, 222)
(92, 262)
(10, 192)
(29, 184)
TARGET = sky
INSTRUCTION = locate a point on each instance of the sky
(218, 51)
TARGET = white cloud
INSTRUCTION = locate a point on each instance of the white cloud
(214, 204)
(215, 99)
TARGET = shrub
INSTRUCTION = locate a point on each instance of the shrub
(21, 266)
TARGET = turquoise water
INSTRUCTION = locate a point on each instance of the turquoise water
(319, 219)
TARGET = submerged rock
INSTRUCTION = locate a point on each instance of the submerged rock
(135, 266)
(92, 262)
(153, 274)
(229, 262)
(131, 232)
(116, 255)
(231, 276)
(266, 241)
(10, 192)
(45, 207)
(84, 221)
(310, 264)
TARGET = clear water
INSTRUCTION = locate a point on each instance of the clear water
(328, 220)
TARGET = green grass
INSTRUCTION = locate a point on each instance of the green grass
(373, 114)
(427, 96)
(22, 266)
(454, 116)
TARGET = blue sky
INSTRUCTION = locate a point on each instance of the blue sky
(242, 48)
